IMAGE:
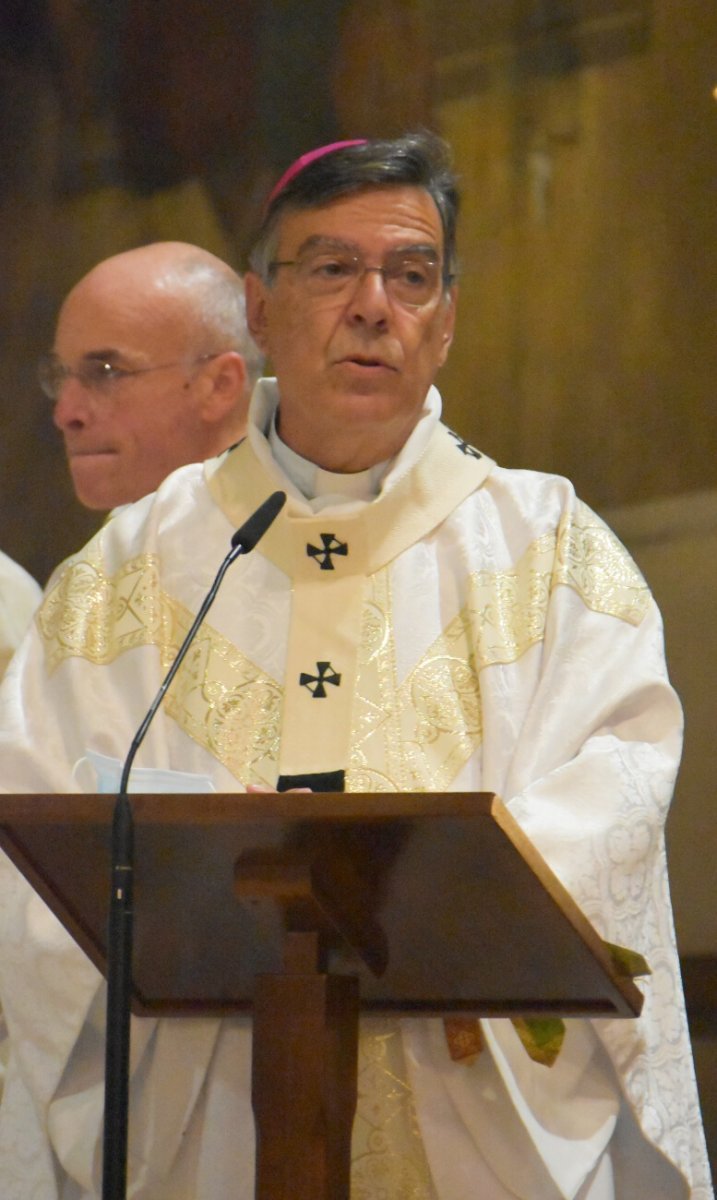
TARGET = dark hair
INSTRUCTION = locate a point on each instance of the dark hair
(420, 159)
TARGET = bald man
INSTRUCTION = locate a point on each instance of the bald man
(152, 367)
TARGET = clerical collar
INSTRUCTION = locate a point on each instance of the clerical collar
(329, 489)
(314, 483)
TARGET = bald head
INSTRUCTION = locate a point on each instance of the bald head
(152, 368)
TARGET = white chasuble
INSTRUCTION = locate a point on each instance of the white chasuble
(471, 628)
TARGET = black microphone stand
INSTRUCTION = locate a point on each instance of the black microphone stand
(120, 919)
(119, 985)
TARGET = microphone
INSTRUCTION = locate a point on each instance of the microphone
(256, 526)
(120, 918)
(244, 540)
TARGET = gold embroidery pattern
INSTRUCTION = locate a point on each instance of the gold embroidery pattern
(387, 1153)
(90, 615)
(441, 702)
(219, 698)
(226, 704)
(590, 559)
(506, 610)
(417, 735)
(376, 757)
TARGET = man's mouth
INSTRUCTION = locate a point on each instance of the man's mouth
(365, 360)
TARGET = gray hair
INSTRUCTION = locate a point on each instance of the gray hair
(418, 159)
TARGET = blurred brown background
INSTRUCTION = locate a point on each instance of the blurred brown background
(585, 132)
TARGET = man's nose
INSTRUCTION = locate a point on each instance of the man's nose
(370, 301)
(73, 406)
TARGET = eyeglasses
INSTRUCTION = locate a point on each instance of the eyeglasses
(411, 277)
(97, 374)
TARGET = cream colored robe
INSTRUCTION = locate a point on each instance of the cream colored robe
(19, 597)
(490, 633)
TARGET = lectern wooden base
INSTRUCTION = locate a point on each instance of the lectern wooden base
(304, 1078)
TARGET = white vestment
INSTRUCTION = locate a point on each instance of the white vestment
(19, 597)
(489, 633)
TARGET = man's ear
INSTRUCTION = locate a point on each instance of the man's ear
(255, 294)
(228, 378)
(449, 323)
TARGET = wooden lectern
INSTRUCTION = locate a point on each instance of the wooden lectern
(305, 908)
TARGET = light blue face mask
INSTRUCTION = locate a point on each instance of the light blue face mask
(100, 773)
